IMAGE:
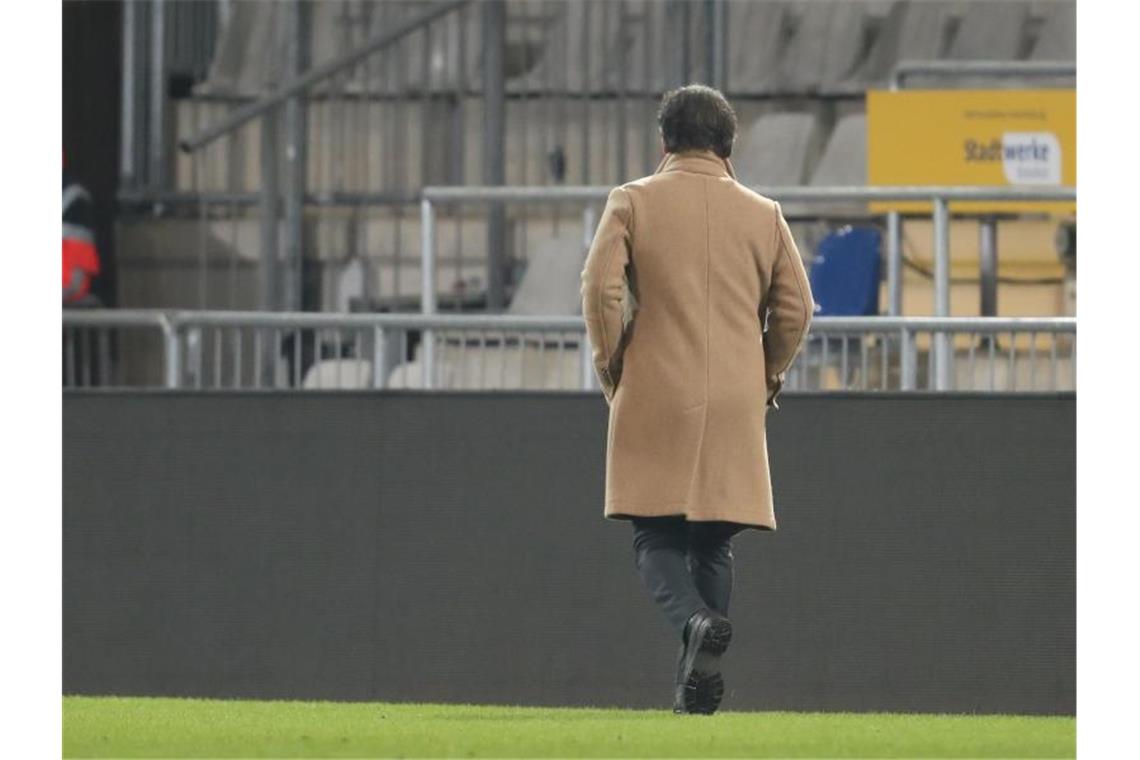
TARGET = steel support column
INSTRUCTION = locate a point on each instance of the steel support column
(716, 41)
(494, 146)
(157, 113)
(270, 282)
(129, 100)
(296, 154)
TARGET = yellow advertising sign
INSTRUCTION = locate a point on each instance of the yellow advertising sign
(973, 137)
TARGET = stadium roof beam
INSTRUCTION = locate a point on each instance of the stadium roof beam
(317, 74)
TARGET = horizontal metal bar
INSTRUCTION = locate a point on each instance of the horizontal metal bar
(587, 193)
(449, 93)
(316, 74)
(409, 321)
(799, 193)
(146, 198)
(520, 323)
(982, 68)
(115, 318)
(945, 324)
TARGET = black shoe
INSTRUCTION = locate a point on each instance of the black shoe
(700, 686)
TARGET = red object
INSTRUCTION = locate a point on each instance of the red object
(79, 255)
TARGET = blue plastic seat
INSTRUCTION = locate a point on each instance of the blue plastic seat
(845, 274)
(844, 282)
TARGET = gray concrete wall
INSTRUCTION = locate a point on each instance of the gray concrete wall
(451, 548)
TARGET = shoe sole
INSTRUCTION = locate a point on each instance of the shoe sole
(704, 688)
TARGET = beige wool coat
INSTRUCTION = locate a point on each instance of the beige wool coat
(696, 302)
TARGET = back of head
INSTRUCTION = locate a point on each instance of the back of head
(697, 117)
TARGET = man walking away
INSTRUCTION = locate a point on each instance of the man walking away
(696, 303)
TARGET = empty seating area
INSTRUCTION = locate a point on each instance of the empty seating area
(581, 83)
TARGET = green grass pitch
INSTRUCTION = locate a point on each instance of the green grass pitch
(121, 727)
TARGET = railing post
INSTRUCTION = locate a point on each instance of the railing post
(379, 358)
(585, 356)
(942, 345)
(894, 264)
(906, 361)
(172, 353)
(427, 288)
(589, 222)
(987, 254)
(586, 363)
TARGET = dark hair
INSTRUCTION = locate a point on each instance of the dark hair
(697, 117)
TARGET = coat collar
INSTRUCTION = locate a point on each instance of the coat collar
(696, 162)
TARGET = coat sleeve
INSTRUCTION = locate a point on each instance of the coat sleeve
(604, 286)
(789, 307)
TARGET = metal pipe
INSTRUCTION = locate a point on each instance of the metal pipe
(621, 130)
(494, 145)
(941, 218)
(718, 43)
(318, 74)
(987, 262)
(296, 155)
(942, 345)
(683, 47)
(894, 264)
(270, 284)
(427, 286)
(585, 354)
(129, 98)
(981, 68)
(379, 358)
(172, 353)
(244, 199)
(398, 321)
(427, 257)
(589, 223)
(907, 364)
(782, 193)
(157, 134)
(538, 194)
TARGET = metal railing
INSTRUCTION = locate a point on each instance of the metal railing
(988, 69)
(939, 197)
(200, 350)
(991, 354)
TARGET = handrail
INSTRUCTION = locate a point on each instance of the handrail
(981, 68)
(515, 322)
(164, 321)
(945, 324)
(801, 193)
(317, 74)
(115, 317)
(176, 325)
(940, 198)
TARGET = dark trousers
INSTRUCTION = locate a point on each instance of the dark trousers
(686, 566)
